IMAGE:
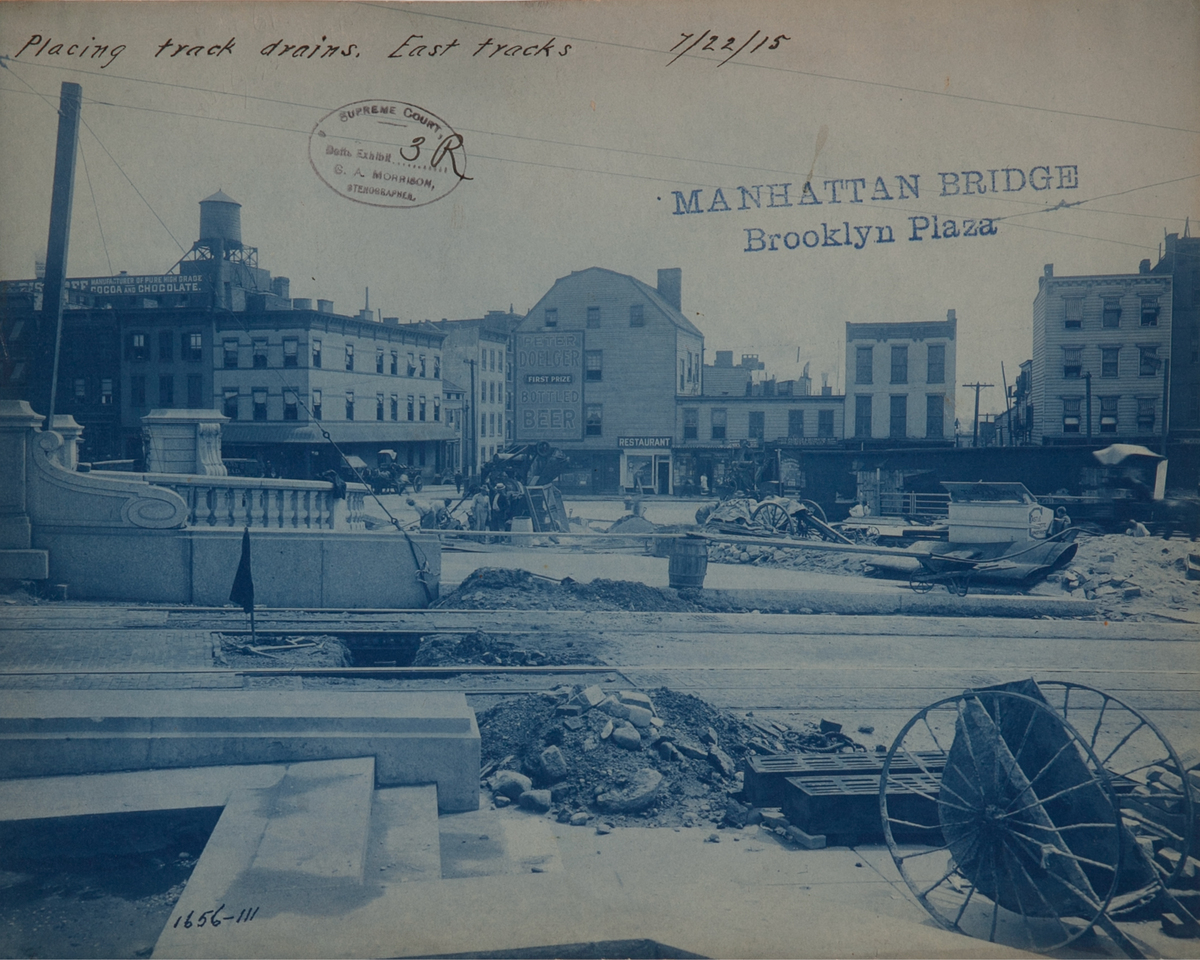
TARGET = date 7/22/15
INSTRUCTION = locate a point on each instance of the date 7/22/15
(711, 42)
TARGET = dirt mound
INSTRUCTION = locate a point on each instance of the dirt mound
(694, 747)
(451, 649)
(491, 587)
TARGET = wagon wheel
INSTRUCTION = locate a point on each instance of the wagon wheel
(865, 536)
(1149, 779)
(815, 509)
(774, 517)
(1017, 839)
(922, 581)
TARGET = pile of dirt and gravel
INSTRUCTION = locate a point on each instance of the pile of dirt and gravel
(630, 758)
(482, 648)
(844, 564)
(309, 650)
(1128, 576)
(489, 588)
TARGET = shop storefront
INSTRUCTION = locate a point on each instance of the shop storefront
(646, 465)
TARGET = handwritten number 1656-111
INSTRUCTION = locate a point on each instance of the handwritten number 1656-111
(214, 918)
(709, 42)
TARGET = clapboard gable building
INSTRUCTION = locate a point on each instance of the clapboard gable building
(600, 364)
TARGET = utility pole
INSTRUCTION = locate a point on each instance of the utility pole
(1087, 382)
(50, 325)
(470, 412)
(1007, 406)
(978, 387)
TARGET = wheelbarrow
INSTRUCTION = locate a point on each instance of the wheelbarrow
(1036, 832)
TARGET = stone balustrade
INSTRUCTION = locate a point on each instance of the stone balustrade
(259, 502)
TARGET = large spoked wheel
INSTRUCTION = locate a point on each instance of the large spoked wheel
(774, 517)
(1017, 838)
(1147, 775)
(921, 581)
(815, 509)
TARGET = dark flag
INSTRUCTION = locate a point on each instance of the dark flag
(243, 584)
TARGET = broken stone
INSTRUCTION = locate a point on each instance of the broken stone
(627, 736)
(865, 728)
(1131, 592)
(554, 764)
(657, 722)
(639, 716)
(721, 761)
(588, 697)
(735, 813)
(607, 731)
(510, 784)
(641, 791)
(579, 819)
(667, 751)
(709, 736)
(636, 697)
(615, 708)
(691, 750)
(561, 792)
(603, 828)
(772, 818)
(712, 838)
(538, 800)
(754, 816)
(500, 800)
(828, 726)
(568, 709)
(574, 723)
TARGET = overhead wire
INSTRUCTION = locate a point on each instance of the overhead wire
(96, 207)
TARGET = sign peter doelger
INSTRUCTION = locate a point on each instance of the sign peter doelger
(549, 386)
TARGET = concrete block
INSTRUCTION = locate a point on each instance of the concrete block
(414, 737)
(24, 564)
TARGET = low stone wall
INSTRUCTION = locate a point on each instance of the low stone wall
(290, 568)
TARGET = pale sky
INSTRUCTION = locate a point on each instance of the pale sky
(569, 153)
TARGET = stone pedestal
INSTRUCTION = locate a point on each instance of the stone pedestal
(184, 441)
(17, 561)
(72, 433)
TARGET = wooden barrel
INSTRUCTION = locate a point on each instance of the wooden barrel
(688, 563)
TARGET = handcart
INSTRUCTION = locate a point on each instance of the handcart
(1036, 832)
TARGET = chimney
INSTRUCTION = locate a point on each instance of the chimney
(724, 358)
(301, 303)
(324, 306)
(950, 315)
(1048, 270)
(1144, 266)
(281, 287)
(670, 286)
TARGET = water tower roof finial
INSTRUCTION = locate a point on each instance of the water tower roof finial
(220, 197)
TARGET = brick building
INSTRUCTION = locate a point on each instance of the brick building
(1101, 344)
(601, 363)
(1181, 260)
(900, 380)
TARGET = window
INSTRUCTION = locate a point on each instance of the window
(395, 369)
(483, 425)
(1145, 420)
(1072, 362)
(718, 419)
(1071, 407)
(863, 363)
(349, 357)
(260, 354)
(1110, 361)
(593, 420)
(491, 391)
(138, 348)
(230, 405)
(395, 406)
(795, 423)
(195, 391)
(166, 391)
(231, 354)
(593, 318)
(1108, 414)
(291, 352)
(824, 423)
(681, 373)
(349, 404)
(492, 424)
(756, 429)
(290, 406)
(1147, 361)
(637, 315)
(898, 417)
(106, 392)
(492, 359)
(421, 363)
(421, 409)
(1112, 312)
(437, 368)
(935, 371)
(80, 390)
(137, 391)
(550, 317)
(1073, 313)
(899, 364)
(593, 363)
(412, 364)
(316, 404)
(691, 423)
(316, 354)
(379, 360)
(935, 407)
(379, 406)
(411, 409)
(259, 395)
(1149, 311)
(862, 415)
(165, 343)
(437, 409)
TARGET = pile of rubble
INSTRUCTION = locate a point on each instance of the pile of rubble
(480, 648)
(629, 758)
(490, 588)
(1129, 576)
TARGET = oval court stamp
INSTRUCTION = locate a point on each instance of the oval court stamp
(387, 153)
